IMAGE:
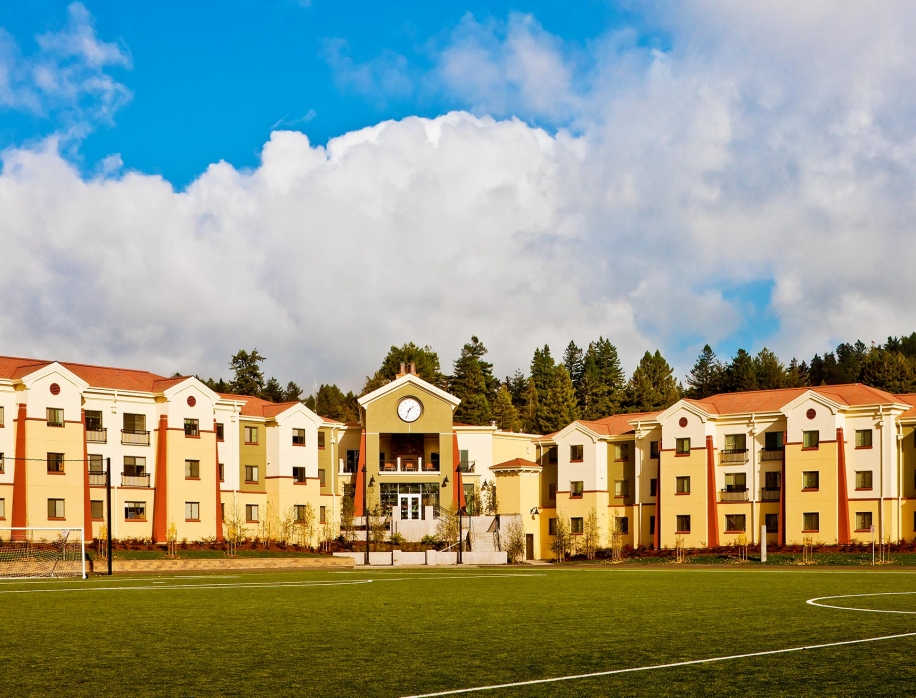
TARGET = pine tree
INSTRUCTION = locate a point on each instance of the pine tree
(770, 372)
(272, 391)
(504, 411)
(542, 371)
(796, 374)
(611, 380)
(474, 384)
(740, 374)
(560, 408)
(530, 413)
(888, 370)
(849, 362)
(292, 393)
(248, 380)
(518, 389)
(426, 360)
(652, 386)
(591, 393)
(572, 359)
(331, 402)
(705, 377)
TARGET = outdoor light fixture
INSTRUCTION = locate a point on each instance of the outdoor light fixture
(372, 481)
(534, 511)
(445, 481)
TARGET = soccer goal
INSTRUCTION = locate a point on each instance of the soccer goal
(42, 552)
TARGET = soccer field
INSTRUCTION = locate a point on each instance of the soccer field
(411, 632)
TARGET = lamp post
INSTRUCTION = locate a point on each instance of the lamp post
(366, 510)
(460, 541)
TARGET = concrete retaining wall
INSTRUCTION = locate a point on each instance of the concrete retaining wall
(430, 557)
(244, 563)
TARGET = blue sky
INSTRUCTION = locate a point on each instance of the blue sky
(663, 174)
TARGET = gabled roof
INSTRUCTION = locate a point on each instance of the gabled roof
(618, 424)
(405, 380)
(849, 395)
(256, 407)
(516, 464)
(16, 368)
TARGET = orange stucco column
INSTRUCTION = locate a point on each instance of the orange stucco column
(219, 513)
(781, 535)
(87, 498)
(712, 512)
(358, 503)
(843, 518)
(160, 497)
(458, 494)
(657, 540)
(18, 517)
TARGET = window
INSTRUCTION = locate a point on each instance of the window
(653, 487)
(771, 480)
(251, 513)
(220, 431)
(135, 423)
(321, 477)
(653, 449)
(575, 524)
(735, 482)
(322, 515)
(434, 460)
(683, 523)
(621, 488)
(299, 474)
(222, 472)
(251, 473)
(622, 524)
(552, 526)
(134, 465)
(682, 447)
(811, 521)
(735, 522)
(682, 484)
(863, 479)
(622, 452)
(95, 464)
(352, 461)
(300, 512)
(56, 509)
(772, 441)
(735, 443)
(772, 523)
(222, 511)
(811, 479)
(97, 507)
(192, 511)
(651, 525)
(298, 437)
(320, 439)
(1, 417)
(552, 491)
(192, 470)
(55, 462)
(863, 520)
(575, 488)
(2, 508)
(251, 435)
(55, 417)
(191, 427)
(552, 455)
(863, 438)
(135, 511)
(93, 420)
(575, 453)
(2, 463)
(810, 439)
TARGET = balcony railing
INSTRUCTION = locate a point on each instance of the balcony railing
(97, 436)
(733, 495)
(134, 438)
(135, 480)
(467, 466)
(769, 494)
(771, 454)
(733, 456)
(96, 478)
(409, 465)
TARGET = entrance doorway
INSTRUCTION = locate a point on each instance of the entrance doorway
(410, 506)
(529, 546)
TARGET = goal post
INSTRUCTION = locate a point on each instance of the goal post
(28, 551)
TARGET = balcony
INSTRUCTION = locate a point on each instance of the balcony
(734, 494)
(769, 494)
(467, 466)
(770, 454)
(133, 480)
(96, 478)
(409, 464)
(733, 456)
(134, 438)
(347, 468)
(97, 436)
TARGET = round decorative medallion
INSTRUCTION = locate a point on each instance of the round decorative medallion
(55, 389)
(811, 414)
(682, 422)
(191, 401)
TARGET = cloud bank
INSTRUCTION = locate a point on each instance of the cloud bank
(768, 147)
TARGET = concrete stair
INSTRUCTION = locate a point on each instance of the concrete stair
(482, 542)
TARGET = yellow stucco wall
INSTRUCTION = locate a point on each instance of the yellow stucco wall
(823, 501)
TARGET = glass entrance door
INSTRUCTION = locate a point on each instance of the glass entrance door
(410, 506)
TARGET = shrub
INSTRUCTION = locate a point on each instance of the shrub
(397, 539)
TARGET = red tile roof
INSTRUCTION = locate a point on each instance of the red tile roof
(13, 367)
(515, 464)
(256, 407)
(617, 424)
(849, 394)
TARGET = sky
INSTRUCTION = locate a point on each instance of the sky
(321, 180)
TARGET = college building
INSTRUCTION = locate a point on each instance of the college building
(832, 463)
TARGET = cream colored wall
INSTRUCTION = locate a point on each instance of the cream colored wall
(591, 471)
(9, 400)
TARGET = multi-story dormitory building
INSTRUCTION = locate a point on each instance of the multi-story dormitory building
(827, 462)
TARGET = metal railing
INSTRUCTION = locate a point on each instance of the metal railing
(467, 466)
(135, 480)
(770, 454)
(134, 438)
(96, 477)
(97, 436)
(733, 456)
(409, 465)
(769, 494)
(733, 495)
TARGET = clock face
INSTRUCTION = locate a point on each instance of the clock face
(410, 409)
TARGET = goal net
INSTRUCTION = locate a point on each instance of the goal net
(42, 552)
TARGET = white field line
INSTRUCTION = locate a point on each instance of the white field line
(62, 580)
(789, 569)
(814, 602)
(231, 585)
(575, 677)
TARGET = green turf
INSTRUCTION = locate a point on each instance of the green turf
(416, 631)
